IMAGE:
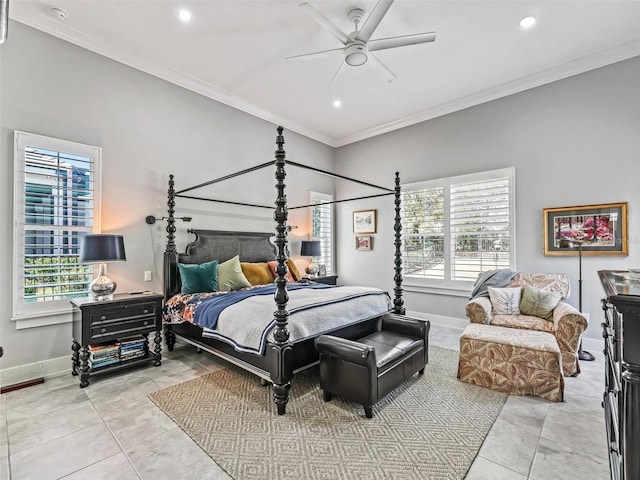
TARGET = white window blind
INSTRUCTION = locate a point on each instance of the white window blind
(322, 228)
(56, 203)
(455, 228)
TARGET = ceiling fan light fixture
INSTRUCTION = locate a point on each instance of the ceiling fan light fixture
(358, 46)
(356, 54)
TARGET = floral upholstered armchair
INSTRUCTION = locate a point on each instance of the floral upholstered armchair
(564, 321)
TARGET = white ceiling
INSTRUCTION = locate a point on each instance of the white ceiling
(234, 51)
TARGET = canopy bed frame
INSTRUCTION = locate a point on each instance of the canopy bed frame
(282, 357)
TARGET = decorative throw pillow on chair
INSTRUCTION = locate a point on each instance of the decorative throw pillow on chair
(505, 301)
(539, 303)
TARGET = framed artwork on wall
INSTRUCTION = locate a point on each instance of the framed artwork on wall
(600, 229)
(363, 242)
(364, 221)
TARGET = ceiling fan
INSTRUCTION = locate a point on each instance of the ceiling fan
(358, 46)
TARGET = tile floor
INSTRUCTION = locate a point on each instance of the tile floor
(111, 430)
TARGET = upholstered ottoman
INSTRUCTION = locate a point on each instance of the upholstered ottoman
(512, 360)
(365, 370)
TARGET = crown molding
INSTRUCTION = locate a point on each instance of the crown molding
(124, 54)
(575, 67)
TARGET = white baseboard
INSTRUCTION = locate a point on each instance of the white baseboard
(53, 367)
(56, 367)
(452, 322)
(588, 344)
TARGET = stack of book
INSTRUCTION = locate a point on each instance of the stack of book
(132, 348)
(103, 355)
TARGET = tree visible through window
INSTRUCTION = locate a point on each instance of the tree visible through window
(55, 206)
(455, 228)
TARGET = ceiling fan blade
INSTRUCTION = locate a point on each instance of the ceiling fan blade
(309, 56)
(335, 77)
(401, 41)
(326, 23)
(374, 19)
(382, 67)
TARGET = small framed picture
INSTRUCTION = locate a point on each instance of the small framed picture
(322, 270)
(364, 221)
(363, 242)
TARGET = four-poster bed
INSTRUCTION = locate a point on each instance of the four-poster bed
(281, 355)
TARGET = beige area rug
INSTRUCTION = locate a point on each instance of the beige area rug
(431, 427)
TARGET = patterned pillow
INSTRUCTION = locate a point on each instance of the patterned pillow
(257, 273)
(230, 276)
(198, 278)
(539, 303)
(505, 301)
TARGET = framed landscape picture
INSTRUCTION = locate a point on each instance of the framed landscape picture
(363, 242)
(600, 229)
(364, 221)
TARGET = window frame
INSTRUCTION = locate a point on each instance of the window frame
(320, 198)
(54, 311)
(447, 285)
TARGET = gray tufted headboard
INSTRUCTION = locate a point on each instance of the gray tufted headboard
(219, 245)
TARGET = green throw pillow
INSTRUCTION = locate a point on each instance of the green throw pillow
(230, 276)
(539, 303)
(198, 278)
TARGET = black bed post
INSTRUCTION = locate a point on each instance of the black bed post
(398, 302)
(282, 371)
(170, 259)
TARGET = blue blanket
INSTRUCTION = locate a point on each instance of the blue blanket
(493, 278)
(206, 315)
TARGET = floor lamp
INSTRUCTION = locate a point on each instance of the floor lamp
(582, 354)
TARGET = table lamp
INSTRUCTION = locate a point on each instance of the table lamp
(102, 248)
(310, 248)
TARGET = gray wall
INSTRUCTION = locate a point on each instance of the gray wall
(147, 128)
(572, 142)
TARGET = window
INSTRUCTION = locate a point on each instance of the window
(322, 228)
(455, 228)
(56, 202)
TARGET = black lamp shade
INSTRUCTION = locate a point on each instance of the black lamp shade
(102, 248)
(310, 248)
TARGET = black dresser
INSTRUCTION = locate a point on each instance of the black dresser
(621, 401)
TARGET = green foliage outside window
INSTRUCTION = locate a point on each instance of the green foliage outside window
(55, 278)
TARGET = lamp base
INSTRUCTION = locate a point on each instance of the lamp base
(102, 287)
(586, 356)
(312, 269)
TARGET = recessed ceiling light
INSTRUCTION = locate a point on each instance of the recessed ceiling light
(528, 22)
(184, 15)
(337, 103)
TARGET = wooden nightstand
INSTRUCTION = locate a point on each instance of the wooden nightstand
(113, 334)
(328, 279)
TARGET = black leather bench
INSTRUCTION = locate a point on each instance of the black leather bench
(365, 370)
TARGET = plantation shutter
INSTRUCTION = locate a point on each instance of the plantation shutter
(322, 228)
(423, 225)
(55, 205)
(457, 227)
(480, 227)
